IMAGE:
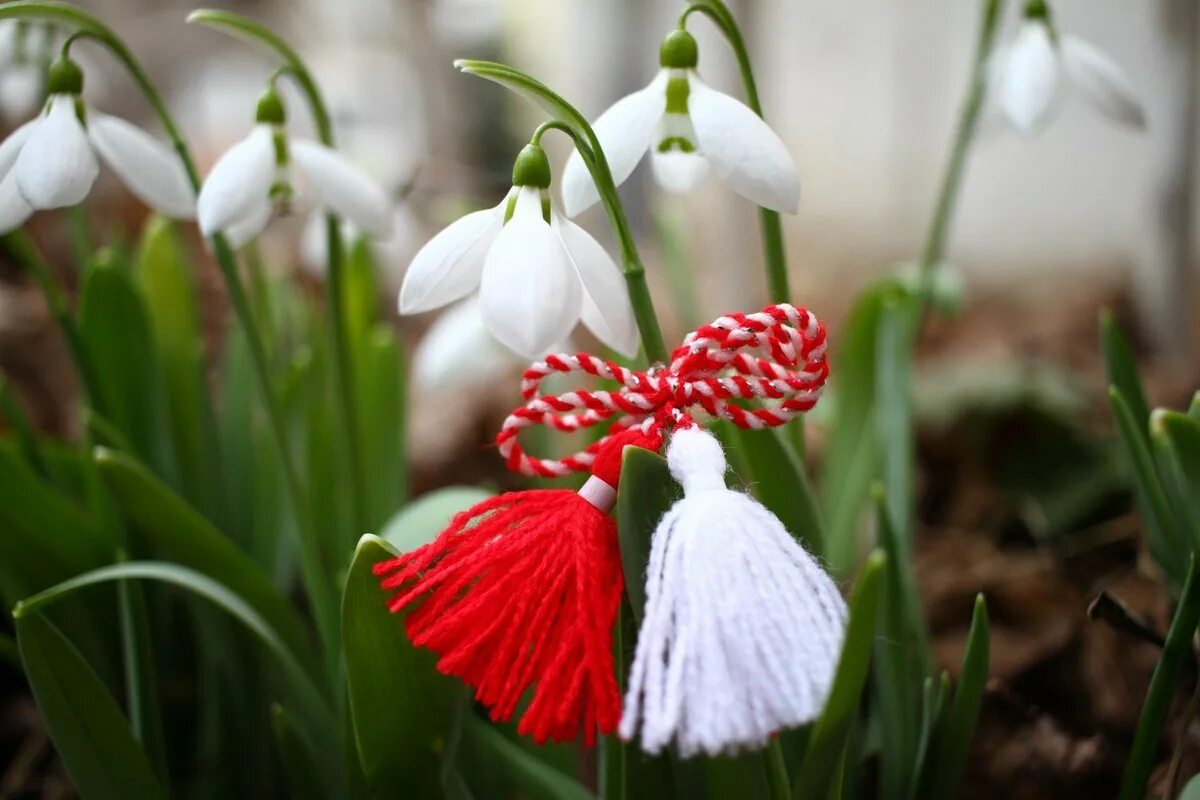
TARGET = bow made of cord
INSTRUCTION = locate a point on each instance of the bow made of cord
(776, 355)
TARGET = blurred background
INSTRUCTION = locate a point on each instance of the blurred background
(1050, 230)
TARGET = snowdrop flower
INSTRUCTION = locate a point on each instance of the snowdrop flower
(254, 177)
(457, 352)
(538, 273)
(21, 71)
(1027, 76)
(50, 161)
(687, 127)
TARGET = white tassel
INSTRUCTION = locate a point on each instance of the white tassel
(742, 628)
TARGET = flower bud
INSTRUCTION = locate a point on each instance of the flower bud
(532, 167)
(64, 77)
(679, 51)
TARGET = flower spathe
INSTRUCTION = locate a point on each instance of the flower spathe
(255, 176)
(538, 275)
(687, 128)
(53, 160)
(1027, 76)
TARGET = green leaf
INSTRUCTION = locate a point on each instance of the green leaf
(423, 519)
(1176, 439)
(14, 417)
(1143, 755)
(379, 370)
(1194, 409)
(317, 714)
(400, 703)
(1121, 367)
(86, 725)
(297, 755)
(829, 734)
(177, 530)
(902, 660)
(645, 492)
(9, 651)
(141, 675)
(533, 778)
(963, 714)
(1192, 790)
(894, 344)
(116, 331)
(933, 727)
(1167, 543)
(776, 476)
(164, 277)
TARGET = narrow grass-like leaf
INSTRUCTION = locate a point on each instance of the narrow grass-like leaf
(829, 735)
(933, 729)
(177, 530)
(86, 725)
(1121, 367)
(1193, 411)
(1167, 543)
(893, 413)
(298, 757)
(116, 331)
(963, 714)
(379, 370)
(902, 660)
(18, 423)
(1178, 649)
(400, 703)
(421, 520)
(9, 650)
(1176, 440)
(533, 778)
(141, 675)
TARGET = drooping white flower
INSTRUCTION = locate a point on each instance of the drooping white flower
(458, 352)
(255, 176)
(538, 273)
(1027, 76)
(51, 161)
(688, 127)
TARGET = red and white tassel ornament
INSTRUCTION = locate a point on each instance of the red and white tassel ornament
(520, 593)
(741, 630)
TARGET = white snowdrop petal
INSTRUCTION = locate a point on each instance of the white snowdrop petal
(625, 131)
(1029, 78)
(742, 149)
(20, 90)
(10, 148)
(344, 186)
(606, 308)
(1102, 83)
(448, 267)
(457, 351)
(238, 185)
(531, 294)
(150, 169)
(245, 229)
(13, 208)
(677, 171)
(56, 167)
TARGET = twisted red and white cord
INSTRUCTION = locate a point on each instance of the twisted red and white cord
(776, 355)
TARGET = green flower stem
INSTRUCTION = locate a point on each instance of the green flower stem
(23, 249)
(772, 228)
(968, 122)
(345, 385)
(317, 580)
(568, 119)
(778, 782)
(1178, 648)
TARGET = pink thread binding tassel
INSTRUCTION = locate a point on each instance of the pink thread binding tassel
(742, 628)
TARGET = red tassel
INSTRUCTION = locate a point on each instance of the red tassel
(522, 591)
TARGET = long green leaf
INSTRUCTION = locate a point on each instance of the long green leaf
(964, 711)
(400, 703)
(1176, 440)
(379, 369)
(894, 346)
(141, 675)
(298, 757)
(1121, 367)
(86, 725)
(533, 778)
(1166, 540)
(308, 697)
(645, 492)
(1177, 650)
(832, 728)
(177, 530)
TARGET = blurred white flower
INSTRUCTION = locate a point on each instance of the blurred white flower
(686, 126)
(1027, 76)
(50, 161)
(391, 253)
(538, 273)
(254, 176)
(458, 352)
(21, 71)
